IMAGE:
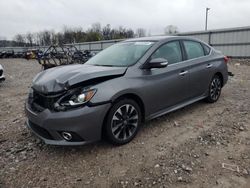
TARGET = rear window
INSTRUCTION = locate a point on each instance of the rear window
(193, 49)
(206, 49)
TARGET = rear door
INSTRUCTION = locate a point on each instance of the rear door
(199, 67)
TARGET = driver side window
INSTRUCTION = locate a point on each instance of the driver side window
(170, 51)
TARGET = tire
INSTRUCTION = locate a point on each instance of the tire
(123, 121)
(215, 87)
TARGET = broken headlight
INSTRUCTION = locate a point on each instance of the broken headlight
(74, 98)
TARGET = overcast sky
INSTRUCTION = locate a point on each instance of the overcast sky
(22, 16)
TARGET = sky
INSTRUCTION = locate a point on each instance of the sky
(23, 16)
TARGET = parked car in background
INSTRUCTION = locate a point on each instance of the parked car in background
(19, 54)
(2, 77)
(7, 54)
(2, 54)
(124, 85)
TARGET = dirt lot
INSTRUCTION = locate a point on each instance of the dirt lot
(183, 149)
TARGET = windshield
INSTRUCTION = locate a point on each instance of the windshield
(121, 55)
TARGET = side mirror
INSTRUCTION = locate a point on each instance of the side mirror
(156, 63)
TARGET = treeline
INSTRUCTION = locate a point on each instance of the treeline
(75, 35)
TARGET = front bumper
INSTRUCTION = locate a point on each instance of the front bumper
(85, 124)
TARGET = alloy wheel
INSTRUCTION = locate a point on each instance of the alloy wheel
(124, 122)
(215, 88)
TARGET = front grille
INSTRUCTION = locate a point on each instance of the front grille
(39, 101)
(40, 131)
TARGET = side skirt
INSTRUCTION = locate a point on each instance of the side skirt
(174, 108)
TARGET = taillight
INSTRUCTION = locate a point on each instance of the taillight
(226, 59)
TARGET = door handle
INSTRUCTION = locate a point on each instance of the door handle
(209, 65)
(182, 73)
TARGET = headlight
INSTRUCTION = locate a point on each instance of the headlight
(81, 98)
(74, 98)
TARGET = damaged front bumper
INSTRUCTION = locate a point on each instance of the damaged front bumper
(84, 124)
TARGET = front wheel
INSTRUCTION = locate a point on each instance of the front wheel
(123, 121)
(214, 89)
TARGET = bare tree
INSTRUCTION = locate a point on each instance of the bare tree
(106, 32)
(130, 33)
(19, 39)
(74, 35)
(96, 27)
(30, 39)
(68, 35)
(54, 38)
(60, 38)
(140, 32)
(170, 29)
(79, 35)
(46, 37)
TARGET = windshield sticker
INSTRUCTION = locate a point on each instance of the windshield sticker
(143, 43)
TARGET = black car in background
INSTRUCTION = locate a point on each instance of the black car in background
(19, 54)
(7, 54)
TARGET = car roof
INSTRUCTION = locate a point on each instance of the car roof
(152, 38)
(160, 38)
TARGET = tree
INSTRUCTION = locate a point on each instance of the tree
(96, 28)
(60, 38)
(106, 32)
(170, 29)
(130, 33)
(140, 32)
(19, 40)
(76, 35)
(30, 39)
(93, 36)
(46, 38)
(54, 38)
(68, 35)
(79, 35)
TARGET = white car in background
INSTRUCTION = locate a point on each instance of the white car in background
(2, 78)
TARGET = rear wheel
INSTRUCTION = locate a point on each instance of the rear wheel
(123, 121)
(214, 89)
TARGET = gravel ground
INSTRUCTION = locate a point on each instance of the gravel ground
(185, 148)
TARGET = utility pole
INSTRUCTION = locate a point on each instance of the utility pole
(207, 9)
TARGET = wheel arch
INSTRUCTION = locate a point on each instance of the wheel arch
(221, 77)
(132, 96)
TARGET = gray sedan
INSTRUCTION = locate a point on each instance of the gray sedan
(121, 87)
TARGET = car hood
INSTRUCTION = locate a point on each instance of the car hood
(61, 78)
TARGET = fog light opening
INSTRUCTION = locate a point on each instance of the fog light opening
(67, 136)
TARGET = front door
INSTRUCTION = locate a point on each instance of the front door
(167, 86)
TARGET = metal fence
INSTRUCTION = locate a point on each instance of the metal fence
(233, 42)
